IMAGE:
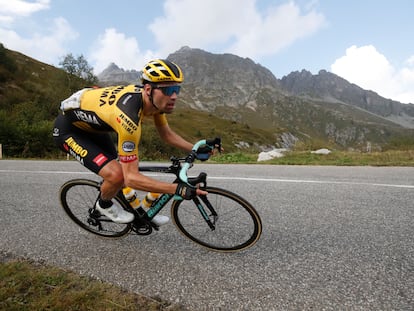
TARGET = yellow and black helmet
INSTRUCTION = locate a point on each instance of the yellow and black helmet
(161, 70)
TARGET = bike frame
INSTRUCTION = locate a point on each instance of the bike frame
(180, 168)
(176, 168)
(159, 204)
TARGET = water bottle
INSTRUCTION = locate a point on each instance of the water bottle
(131, 197)
(149, 199)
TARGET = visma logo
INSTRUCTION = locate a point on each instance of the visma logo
(88, 118)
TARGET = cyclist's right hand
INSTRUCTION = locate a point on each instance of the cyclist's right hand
(185, 191)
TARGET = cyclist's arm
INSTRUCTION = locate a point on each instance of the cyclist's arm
(172, 138)
(134, 179)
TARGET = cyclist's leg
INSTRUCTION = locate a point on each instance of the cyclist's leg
(95, 151)
(113, 179)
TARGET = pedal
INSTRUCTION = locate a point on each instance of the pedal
(93, 218)
(93, 213)
(141, 228)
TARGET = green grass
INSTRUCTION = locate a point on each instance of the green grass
(339, 158)
(234, 158)
(29, 286)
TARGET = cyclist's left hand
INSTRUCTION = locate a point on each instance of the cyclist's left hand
(205, 152)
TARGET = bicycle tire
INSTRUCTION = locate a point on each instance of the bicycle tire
(78, 198)
(237, 227)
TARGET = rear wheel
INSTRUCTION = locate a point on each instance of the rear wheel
(78, 198)
(235, 224)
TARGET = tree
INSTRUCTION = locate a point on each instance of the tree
(79, 67)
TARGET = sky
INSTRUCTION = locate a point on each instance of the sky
(367, 42)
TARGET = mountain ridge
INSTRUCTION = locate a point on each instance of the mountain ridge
(199, 68)
(322, 107)
(330, 87)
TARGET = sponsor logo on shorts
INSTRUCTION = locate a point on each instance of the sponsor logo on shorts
(87, 117)
(76, 148)
(100, 159)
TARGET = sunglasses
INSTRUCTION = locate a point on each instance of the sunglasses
(169, 90)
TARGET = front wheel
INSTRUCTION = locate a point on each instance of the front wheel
(222, 222)
(78, 198)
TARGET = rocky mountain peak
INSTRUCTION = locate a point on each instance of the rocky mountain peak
(222, 80)
(115, 75)
(215, 69)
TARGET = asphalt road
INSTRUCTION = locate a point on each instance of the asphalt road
(334, 238)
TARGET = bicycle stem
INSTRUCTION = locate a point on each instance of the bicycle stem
(189, 161)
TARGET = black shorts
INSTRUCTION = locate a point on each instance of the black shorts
(93, 150)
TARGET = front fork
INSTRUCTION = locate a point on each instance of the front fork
(210, 219)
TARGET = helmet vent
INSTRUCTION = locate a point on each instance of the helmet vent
(162, 70)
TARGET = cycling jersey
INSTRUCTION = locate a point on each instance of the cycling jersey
(111, 109)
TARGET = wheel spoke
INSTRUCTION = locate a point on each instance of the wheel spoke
(78, 198)
(237, 225)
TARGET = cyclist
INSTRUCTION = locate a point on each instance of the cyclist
(88, 115)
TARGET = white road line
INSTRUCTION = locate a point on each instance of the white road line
(235, 178)
(46, 172)
(311, 181)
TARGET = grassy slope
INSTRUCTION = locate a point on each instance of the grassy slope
(26, 285)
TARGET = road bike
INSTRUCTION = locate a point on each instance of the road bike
(220, 221)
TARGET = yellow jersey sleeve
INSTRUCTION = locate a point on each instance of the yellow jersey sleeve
(129, 136)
